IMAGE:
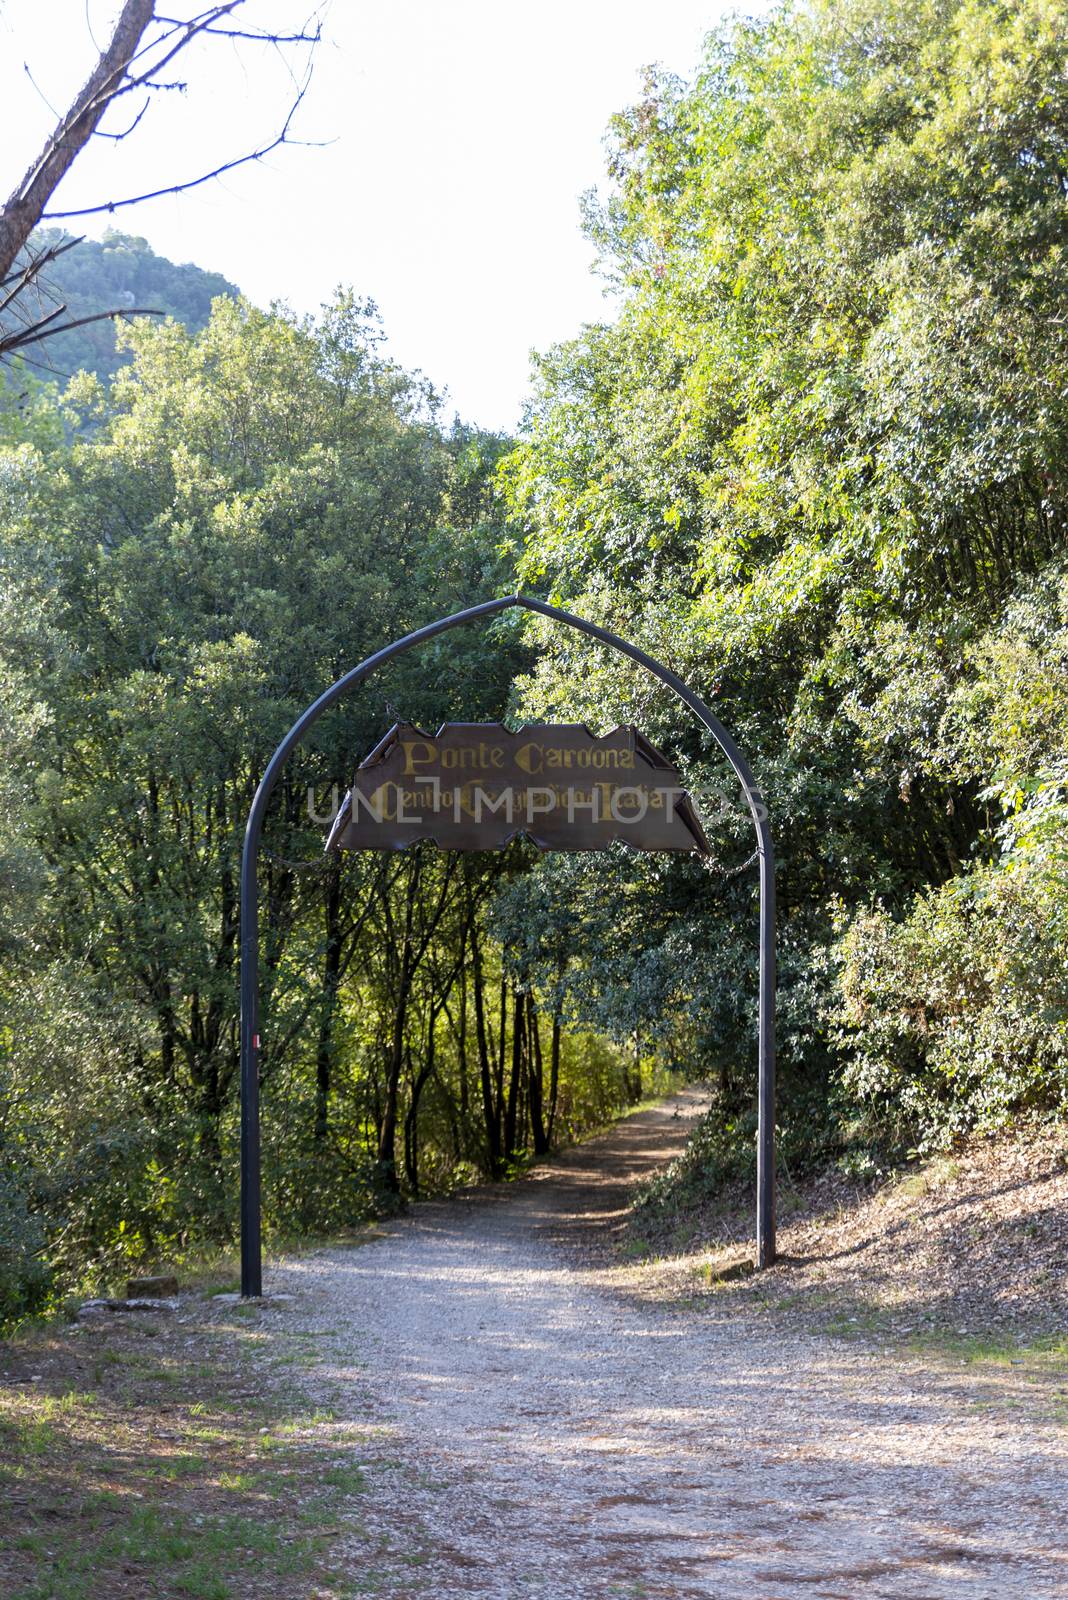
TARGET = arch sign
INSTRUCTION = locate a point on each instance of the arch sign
(474, 786)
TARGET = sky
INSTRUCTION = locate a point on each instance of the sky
(457, 139)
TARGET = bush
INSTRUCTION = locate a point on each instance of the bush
(24, 1278)
(813, 1127)
(956, 1017)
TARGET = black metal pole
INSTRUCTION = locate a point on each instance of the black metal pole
(251, 1253)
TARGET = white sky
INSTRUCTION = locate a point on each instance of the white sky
(464, 132)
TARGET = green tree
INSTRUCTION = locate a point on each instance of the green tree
(261, 505)
(811, 462)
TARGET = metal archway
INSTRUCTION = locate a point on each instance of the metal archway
(251, 1252)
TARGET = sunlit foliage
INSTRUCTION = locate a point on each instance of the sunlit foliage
(819, 463)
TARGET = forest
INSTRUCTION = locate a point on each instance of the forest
(816, 462)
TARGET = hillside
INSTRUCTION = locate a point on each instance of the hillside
(118, 270)
(965, 1250)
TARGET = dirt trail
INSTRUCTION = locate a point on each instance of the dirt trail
(526, 1431)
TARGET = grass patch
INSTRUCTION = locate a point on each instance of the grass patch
(1047, 1357)
(178, 1473)
(347, 1478)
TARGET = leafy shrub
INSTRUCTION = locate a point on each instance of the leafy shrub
(311, 1188)
(957, 1017)
(814, 1127)
(24, 1276)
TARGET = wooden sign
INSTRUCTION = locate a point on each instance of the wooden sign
(474, 786)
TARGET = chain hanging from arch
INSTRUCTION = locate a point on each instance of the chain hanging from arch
(734, 872)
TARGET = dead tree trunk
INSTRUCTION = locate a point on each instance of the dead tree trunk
(23, 209)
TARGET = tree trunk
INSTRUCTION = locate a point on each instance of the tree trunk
(536, 1088)
(502, 1034)
(554, 1076)
(489, 1108)
(461, 1041)
(387, 1139)
(23, 210)
(331, 970)
(634, 1084)
(387, 1142)
(411, 1121)
(517, 1068)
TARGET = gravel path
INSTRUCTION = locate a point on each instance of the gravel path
(528, 1431)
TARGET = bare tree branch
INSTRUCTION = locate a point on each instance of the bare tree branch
(25, 275)
(28, 335)
(101, 133)
(193, 28)
(39, 330)
(189, 32)
(142, 46)
(281, 138)
(259, 36)
(39, 91)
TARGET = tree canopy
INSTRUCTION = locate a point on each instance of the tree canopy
(820, 459)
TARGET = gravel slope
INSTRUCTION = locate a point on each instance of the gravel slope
(526, 1431)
